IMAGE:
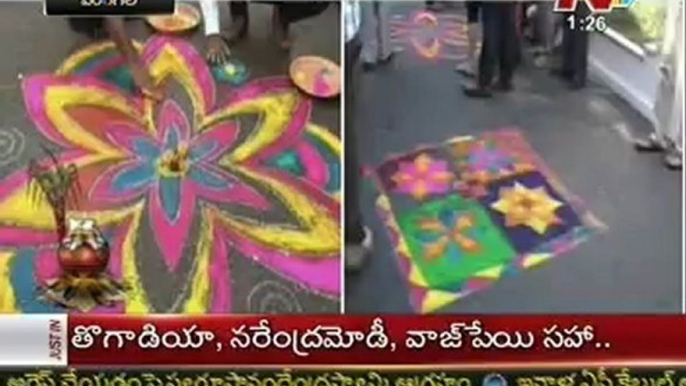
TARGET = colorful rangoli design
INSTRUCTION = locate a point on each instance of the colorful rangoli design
(533, 208)
(233, 72)
(431, 36)
(188, 172)
(423, 176)
(504, 211)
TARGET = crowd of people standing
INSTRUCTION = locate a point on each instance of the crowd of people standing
(497, 27)
(502, 30)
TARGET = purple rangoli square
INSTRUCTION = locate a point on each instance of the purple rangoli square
(479, 162)
(529, 211)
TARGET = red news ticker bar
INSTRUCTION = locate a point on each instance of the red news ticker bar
(449, 341)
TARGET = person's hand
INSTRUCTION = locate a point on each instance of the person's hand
(144, 82)
(217, 50)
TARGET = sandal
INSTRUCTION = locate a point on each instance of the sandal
(465, 69)
(650, 144)
(673, 160)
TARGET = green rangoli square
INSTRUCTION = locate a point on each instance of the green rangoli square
(452, 239)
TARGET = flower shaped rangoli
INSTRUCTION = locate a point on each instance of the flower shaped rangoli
(523, 206)
(198, 180)
(423, 176)
(481, 163)
(450, 227)
(485, 158)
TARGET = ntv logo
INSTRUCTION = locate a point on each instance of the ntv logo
(596, 6)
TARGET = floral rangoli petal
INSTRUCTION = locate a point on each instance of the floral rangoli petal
(173, 126)
(320, 236)
(49, 98)
(170, 197)
(212, 144)
(129, 180)
(206, 178)
(168, 221)
(232, 191)
(319, 274)
(168, 57)
(286, 120)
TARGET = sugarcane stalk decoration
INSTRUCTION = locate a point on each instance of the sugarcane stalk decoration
(58, 185)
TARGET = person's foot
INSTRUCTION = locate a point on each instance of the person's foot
(465, 69)
(477, 92)
(576, 84)
(536, 50)
(666, 72)
(368, 66)
(280, 31)
(356, 254)
(673, 160)
(650, 144)
(541, 60)
(285, 44)
(283, 37)
(218, 50)
(238, 30)
(387, 59)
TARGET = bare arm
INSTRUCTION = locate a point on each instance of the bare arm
(117, 32)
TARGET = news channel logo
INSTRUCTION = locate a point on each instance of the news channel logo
(594, 5)
(494, 379)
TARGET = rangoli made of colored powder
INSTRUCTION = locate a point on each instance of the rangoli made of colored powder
(195, 178)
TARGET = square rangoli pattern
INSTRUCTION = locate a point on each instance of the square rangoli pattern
(463, 214)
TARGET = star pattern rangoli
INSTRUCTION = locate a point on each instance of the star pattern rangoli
(523, 206)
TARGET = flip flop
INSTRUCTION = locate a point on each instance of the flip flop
(468, 72)
(673, 161)
(650, 144)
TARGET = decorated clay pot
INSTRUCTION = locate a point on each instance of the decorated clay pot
(83, 260)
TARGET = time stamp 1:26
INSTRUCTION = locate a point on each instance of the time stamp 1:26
(591, 23)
